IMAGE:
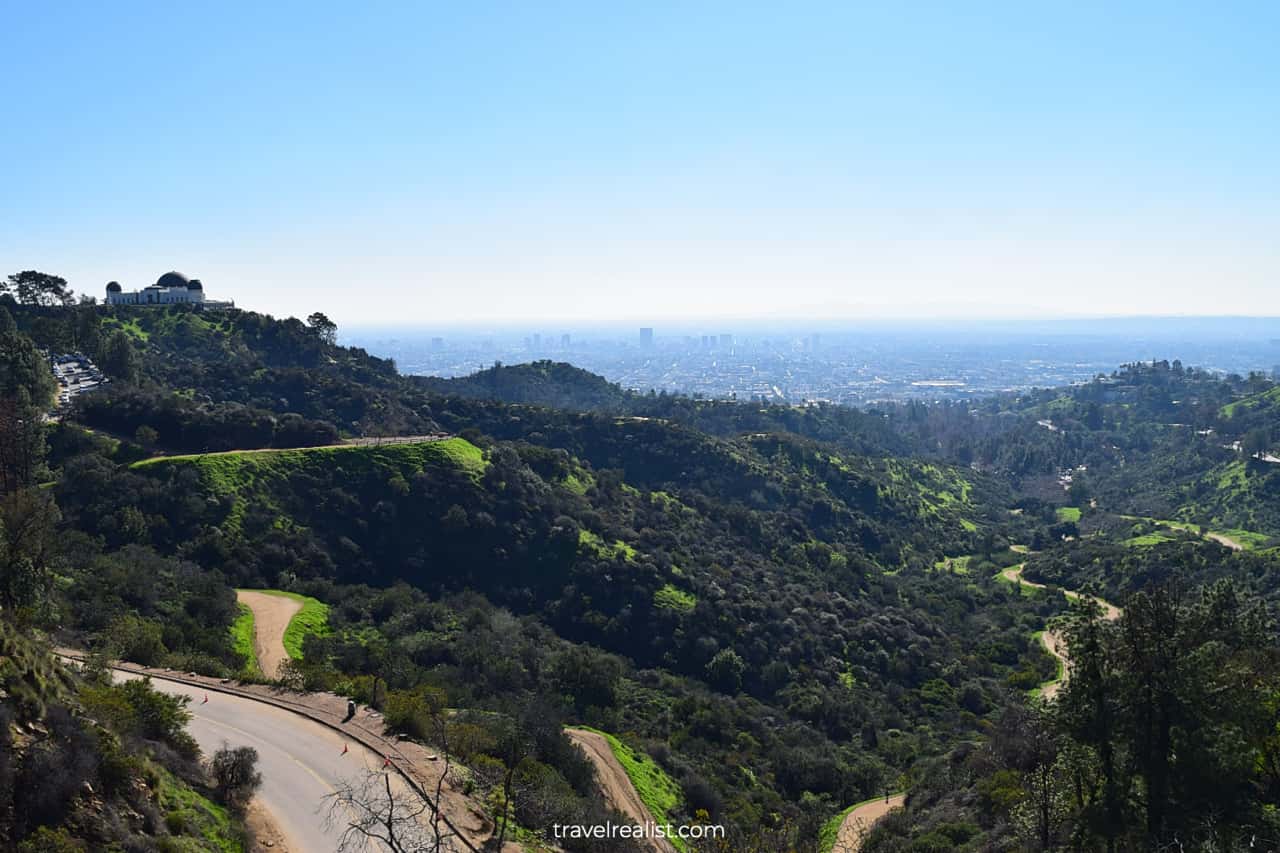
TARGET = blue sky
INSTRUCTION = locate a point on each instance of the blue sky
(639, 162)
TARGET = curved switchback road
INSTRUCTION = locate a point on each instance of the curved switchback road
(317, 718)
(1053, 640)
(301, 761)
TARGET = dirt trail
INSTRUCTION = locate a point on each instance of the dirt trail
(616, 786)
(1223, 539)
(271, 615)
(1053, 640)
(1220, 538)
(346, 442)
(859, 822)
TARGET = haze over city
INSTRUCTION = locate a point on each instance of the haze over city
(584, 163)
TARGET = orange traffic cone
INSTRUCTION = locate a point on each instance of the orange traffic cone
(206, 699)
(386, 761)
(344, 749)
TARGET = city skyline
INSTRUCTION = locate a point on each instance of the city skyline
(853, 367)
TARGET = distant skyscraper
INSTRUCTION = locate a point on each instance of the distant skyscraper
(537, 341)
(564, 341)
(437, 343)
(726, 342)
(646, 336)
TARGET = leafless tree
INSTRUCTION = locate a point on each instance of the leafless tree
(442, 740)
(371, 811)
(411, 821)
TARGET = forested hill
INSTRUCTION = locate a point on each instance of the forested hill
(565, 388)
(544, 383)
(756, 608)
(1156, 440)
(781, 610)
(220, 380)
(197, 381)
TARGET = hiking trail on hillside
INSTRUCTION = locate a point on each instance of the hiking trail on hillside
(861, 819)
(271, 616)
(1055, 643)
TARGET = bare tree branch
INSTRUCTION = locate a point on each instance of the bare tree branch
(369, 811)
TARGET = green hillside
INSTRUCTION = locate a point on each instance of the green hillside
(760, 574)
(228, 472)
(259, 480)
(1239, 494)
(785, 609)
(544, 383)
(88, 765)
(1254, 404)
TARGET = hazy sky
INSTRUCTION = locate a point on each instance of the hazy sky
(477, 162)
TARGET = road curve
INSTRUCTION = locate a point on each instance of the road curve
(1053, 640)
(301, 761)
(858, 822)
(272, 615)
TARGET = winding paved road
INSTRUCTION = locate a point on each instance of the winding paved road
(301, 761)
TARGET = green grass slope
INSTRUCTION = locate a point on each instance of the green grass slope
(29, 678)
(230, 470)
(242, 640)
(265, 476)
(1236, 496)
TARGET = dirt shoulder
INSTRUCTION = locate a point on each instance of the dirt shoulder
(271, 615)
(265, 834)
